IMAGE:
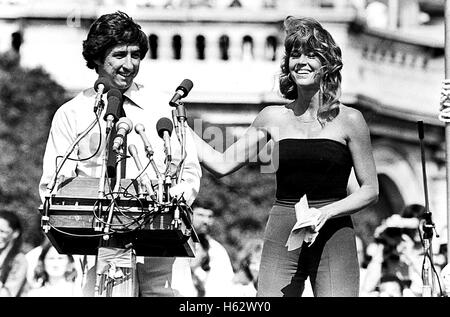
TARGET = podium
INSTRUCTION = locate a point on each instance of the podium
(150, 231)
(139, 227)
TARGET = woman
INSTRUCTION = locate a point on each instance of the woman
(246, 278)
(55, 275)
(13, 264)
(316, 141)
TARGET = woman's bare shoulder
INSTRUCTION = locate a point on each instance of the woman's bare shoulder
(351, 115)
(352, 120)
(268, 114)
(273, 109)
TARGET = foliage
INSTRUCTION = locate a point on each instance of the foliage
(241, 202)
(28, 99)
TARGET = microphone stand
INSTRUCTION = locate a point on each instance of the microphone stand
(180, 125)
(115, 193)
(167, 181)
(101, 185)
(179, 118)
(427, 225)
(51, 185)
(98, 226)
(99, 282)
(144, 181)
(159, 176)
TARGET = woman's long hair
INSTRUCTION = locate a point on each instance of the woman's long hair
(40, 272)
(15, 224)
(308, 35)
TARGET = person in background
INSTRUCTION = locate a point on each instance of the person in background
(397, 251)
(363, 259)
(212, 270)
(13, 264)
(245, 280)
(11, 58)
(445, 277)
(55, 275)
(390, 286)
(32, 257)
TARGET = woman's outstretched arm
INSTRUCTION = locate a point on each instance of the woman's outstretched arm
(245, 149)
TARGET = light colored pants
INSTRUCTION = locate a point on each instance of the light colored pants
(156, 277)
(331, 262)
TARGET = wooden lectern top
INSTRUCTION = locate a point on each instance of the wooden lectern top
(77, 215)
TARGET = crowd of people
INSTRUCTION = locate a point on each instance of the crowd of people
(393, 263)
(44, 272)
(309, 245)
(390, 266)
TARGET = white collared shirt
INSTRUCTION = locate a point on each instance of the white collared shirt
(142, 106)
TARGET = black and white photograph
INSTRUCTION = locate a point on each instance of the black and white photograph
(226, 153)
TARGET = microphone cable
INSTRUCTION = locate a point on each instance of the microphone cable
(91, 126)
(137, 180)
(426, 256)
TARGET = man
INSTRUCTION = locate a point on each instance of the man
(445, 277)
(211, 268)
(114, 48)
(390, 286)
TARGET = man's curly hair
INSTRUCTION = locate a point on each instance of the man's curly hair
(108, 31)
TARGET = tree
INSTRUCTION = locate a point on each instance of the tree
(241, 202)
(28, 100)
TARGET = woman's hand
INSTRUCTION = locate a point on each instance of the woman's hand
(245, 149)
(323, 217)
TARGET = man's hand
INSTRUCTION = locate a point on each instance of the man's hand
(180, 190)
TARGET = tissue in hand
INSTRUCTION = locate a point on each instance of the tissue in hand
(304, 228)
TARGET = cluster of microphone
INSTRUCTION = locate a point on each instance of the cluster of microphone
(114, 116)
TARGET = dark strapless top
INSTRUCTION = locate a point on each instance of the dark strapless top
(319, 168)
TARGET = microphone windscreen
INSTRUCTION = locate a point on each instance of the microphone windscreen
(420, 129)
(164, 124)
(115, 93)
(186, 86)
(105, 82)
(132, 150)
(139, 128)
(125, 123)
(115, 100)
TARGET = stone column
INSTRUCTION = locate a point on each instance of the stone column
(235, 49)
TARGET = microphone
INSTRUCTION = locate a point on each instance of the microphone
(164, 126)
(182, 91)
(420, 129)
(144, 178)
(140, 129)
(101, 86)
(115, 101)
(124, 126)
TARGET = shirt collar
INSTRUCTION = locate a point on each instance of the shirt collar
(133, 93)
